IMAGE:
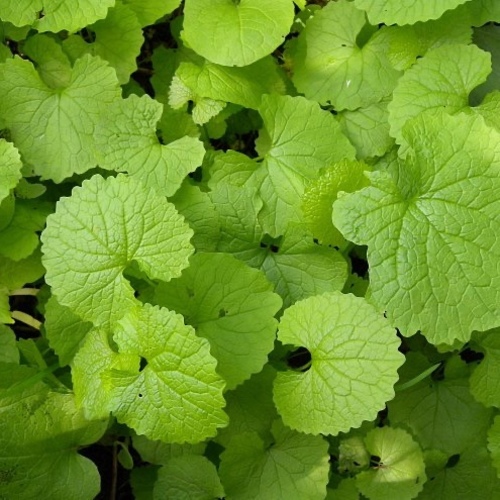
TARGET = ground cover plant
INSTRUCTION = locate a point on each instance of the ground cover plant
(249, 249)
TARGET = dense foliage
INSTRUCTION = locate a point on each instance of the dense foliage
(249, 249)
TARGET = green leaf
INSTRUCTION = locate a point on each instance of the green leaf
(188, 478)
(9, 352)
(303, 139)
(20, 239)
(400, 471)
(410, 12)
(467, 475)
(151, 11)
(442, 414)
(442, 79)
(229, 304)
(236, 33)
(51, 62)
(39, 458)
(244, 86)
(104, 226)
(118, 40)
(319, 195)
(408, 43)
(58, 15)
(328, 60)
(54, 128)
(5, 316)
(161, 382)
(199, 211)
(64, 330)
(10, 168)
(494, 443)
(487, 39)
(127, 142)
(368, 129)
(485, 380)
(250, 407)
(294, 465)
(339, 390)
(157, 452)
(15, 274)
(430, 223)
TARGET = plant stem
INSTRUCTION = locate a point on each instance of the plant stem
(25, 291)
(27, 319)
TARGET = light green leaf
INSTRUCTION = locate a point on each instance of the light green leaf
(430, 224)
(303, 139)
(188, 478)
(51, 62)
(354, 362)
(15, 274)
(64, 330)
(319, 195)
(489, 109)
(54, 128)
(441, 414)
(104, 226)
(330, 66)
(58, 15)
(118, 40)
(244, 86)
(127, 142)
(295, 465)
(9, 352)
(485, 379)
(250, 407)
(232, 306)
(204, 108)
(299, 268)
(406, 44)
(5, 316)
(161, 382)
(442, 79)
(409, 12)
(10, 168)
(199, 211)
(39, 458)
(400, 472)
(157, 452)
(150, 11)
(494, 443)
(20, 239)
(368, 129)
(236, 33)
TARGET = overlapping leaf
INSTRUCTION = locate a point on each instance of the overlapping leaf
(442, 79)
(54, 128)
(236, 33)
(231, 305)
(348, 342)
(58, 15)
(39, 458)
(161, 381)
(10, 169)
(294, 466)
(302, 139)
(430, 226)
(410, 12)
(400, 471)
(127, 142)
(104, 226)
(330, 66)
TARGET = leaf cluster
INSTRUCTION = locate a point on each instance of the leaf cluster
(248, 249)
